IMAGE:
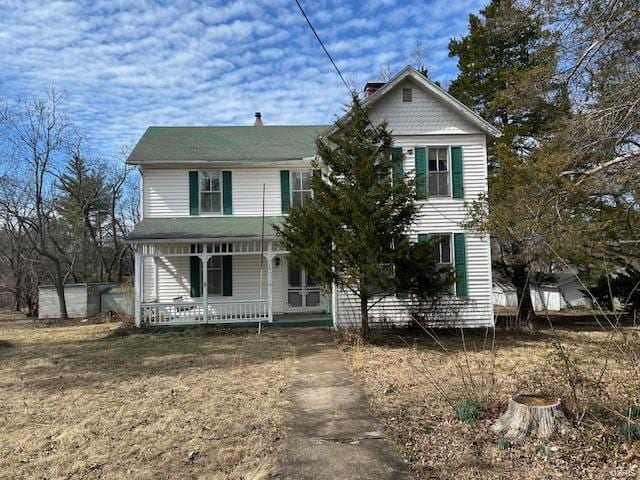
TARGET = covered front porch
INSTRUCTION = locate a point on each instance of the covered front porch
(219, 271)
(193, 283)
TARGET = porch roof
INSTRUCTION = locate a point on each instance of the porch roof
(202, 228)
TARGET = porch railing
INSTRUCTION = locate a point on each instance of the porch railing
(172, 313)
(189, 313)
(231, 312)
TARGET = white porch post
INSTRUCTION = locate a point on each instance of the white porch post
(156, 286)
(204, 259)
(270, 281)
(334, 305)
(137, 285)
(334, 297)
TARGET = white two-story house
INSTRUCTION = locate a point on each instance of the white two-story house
(206, 250)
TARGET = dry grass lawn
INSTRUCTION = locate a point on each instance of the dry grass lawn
(421, 422)
(77, 402)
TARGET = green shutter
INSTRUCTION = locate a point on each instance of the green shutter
(456, 172)
(227, 202)
(421, 173)
(195, 273)
(227, 276)
(397, 168)
(461, 264)
(284, 190)
(194, 204)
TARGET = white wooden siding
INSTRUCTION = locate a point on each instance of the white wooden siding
(442, 215)
(426, 114)
(475, 310)
(247, 191)
(174, 280)
(166, 191)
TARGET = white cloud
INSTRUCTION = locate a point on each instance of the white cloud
(128, 65)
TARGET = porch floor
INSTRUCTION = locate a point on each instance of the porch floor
(290, 320)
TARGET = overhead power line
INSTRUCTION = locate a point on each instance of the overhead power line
(322, 45)
(351, 92)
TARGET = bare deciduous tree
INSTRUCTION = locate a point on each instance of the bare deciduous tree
(37, 134)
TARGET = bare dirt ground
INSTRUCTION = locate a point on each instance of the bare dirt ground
(406, 385)
(78, 402)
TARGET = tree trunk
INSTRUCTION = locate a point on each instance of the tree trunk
(60, 291)
(32, 305)
(364, 318)
(521, 281)
(18, 291)
(529, 415)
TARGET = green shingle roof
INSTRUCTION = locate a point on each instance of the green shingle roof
(202, 227)
(225, 144)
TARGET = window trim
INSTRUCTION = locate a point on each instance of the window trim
(291, 185)
(200, 211)
(447, 148)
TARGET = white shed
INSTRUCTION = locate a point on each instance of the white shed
(545, 295)
(82, 299)
(504, 294)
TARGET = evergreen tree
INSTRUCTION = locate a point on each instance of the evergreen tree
(506, 62)
(83, 206)
(353, 232)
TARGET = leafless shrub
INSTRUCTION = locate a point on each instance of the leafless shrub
(435, 311)
(474, 362)
(588, 389)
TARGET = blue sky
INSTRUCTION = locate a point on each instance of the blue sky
(125, 65)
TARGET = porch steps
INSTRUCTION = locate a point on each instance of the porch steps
(295, 320)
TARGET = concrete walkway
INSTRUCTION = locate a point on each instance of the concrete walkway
(332, 433)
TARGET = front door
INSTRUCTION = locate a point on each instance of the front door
(303, 294)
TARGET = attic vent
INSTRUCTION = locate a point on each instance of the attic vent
(407, 94)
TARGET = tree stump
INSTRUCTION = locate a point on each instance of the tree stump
(528, 415)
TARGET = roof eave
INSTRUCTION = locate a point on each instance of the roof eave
(134, 241)
(204, 161)
(409, 71)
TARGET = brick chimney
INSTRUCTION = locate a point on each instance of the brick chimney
(258, 121)
(372, 87)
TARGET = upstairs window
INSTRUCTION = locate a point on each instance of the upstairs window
(439, 172)
(407, 94)
(300, 187)
(210, 192)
